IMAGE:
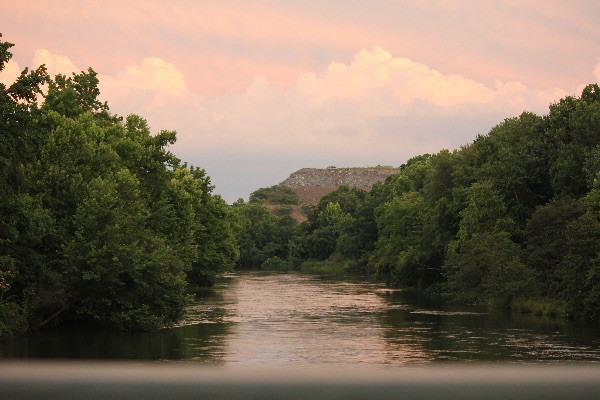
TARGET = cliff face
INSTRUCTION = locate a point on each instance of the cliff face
(310, 184)
(356, 177)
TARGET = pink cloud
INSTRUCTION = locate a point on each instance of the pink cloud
(346, 102)
(55, 63)
(340, 110)
(340, 106)
(151, 84)
(10, 72)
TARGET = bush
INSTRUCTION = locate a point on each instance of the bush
(322, 268)
(12, 319)
(277, 194)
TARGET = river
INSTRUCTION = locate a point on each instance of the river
(272, 319)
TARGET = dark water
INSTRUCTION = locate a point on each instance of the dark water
(287, 319)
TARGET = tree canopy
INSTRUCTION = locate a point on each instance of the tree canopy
(99, 222)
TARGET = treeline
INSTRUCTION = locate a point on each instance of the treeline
(99, 223)
(512, 219)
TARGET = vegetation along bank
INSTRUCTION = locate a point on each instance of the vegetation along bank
(100, 224)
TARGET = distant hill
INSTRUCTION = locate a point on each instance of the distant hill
(310, 184)
(304, 188)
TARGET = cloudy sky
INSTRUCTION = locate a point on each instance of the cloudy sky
(258, 89)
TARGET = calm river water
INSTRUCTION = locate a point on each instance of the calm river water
(288, 319)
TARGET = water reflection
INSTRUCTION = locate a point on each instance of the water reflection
(477, 334)
(288, 319)
(299, 320)
(166, 344)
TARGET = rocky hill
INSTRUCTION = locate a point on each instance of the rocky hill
(296, 195)
(310, 184)
(304, 188)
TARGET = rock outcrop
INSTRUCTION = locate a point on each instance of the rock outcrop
(310, 184)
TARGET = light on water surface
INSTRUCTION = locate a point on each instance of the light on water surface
(303, 320)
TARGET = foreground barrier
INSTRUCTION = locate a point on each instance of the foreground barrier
(86, 381)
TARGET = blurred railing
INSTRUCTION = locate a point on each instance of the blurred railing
(68, 380)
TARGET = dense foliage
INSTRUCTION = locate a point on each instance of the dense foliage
(512, 219)
(277, 194)
(99, 222)
(264, 239)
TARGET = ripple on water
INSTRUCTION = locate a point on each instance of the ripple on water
(305, 320)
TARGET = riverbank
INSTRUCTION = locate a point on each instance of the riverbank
(540, 306)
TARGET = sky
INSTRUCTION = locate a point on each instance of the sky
(259, 89)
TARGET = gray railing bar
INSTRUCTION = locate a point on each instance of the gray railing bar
(87, 381)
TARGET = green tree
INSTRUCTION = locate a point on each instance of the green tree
(261, 235)
(330, 223)
(98, 220)
(117, 270)
(75, 95)
(483, 264)
(215, 236)
(400, 226)
(574, 123)
(580, 268)
(487, 269)
(24, 222)
(545, 239)
(514, 156)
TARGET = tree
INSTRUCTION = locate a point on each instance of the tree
(117, 270)
(575, 125)
(399, 225)
(261, 235)
(483, 264)
(545, 239)
(215, 236)
(327, 224)
(487, 269)
(515, 157)
(23, 221)
(579, 270)
(98, 220)
(75, 95)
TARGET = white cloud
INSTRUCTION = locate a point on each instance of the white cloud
(150, 84)
(376, 109)
(10, 72)
(153, 83)
(377, 75)
(55, 63)
(349, 100)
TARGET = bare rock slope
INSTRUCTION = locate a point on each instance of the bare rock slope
(310, 184)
